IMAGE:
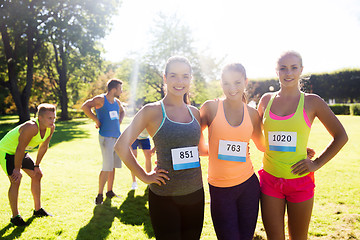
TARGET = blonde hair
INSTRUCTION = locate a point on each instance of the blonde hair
(42, 108)
(290, 52)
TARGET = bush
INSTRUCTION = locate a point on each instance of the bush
(355, 109)
(340, 109)
(73, 113)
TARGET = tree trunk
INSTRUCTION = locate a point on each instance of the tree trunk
(62, 70)
(63, 96)
(11, 57)
(31, 49)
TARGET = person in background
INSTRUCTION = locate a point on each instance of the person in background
(108, 116)
(287, 175)
(14, 147)
(142, 142)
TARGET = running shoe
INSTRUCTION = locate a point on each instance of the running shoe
(41, 213)
(134, 186)
(18, 221)
(99, 199)
(111, 194)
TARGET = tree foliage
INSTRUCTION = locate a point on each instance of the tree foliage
(343, 86)
(67, 31)
(73, 31)
(170, 37)
(21, 38)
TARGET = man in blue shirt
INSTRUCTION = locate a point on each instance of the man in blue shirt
(108, 115)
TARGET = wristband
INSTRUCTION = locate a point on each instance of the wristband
(36, 166)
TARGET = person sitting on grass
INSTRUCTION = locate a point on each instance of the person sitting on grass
(14, 147)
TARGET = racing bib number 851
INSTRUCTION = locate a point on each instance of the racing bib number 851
(185, 158)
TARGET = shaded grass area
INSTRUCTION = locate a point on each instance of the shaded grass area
(65, 131)
(7, 123)
(69, 187)
(132, 211)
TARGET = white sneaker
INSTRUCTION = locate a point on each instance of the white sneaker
(134, 186)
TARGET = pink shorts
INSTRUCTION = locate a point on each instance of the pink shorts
(293, 190)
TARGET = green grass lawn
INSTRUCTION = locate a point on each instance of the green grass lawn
(69, 186)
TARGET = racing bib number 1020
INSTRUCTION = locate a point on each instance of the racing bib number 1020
(185, 158)
(282, 141)
(232, 151)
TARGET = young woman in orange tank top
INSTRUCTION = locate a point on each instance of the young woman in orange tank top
(234, 187)
(275, 199)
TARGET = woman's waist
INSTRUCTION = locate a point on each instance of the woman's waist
(282, 167)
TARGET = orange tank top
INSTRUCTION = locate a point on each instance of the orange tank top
(229, 159)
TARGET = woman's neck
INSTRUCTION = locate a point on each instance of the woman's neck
(173, 100)
(287, 91)
(234, 103)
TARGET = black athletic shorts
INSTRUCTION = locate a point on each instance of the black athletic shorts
(27, 163)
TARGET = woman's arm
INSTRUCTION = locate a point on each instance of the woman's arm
(257, 135)
(333, 126)
(123, 145)
(205, 121)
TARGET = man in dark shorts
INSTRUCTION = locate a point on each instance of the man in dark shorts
(142, 142)
(13, 157)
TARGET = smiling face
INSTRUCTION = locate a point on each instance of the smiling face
(234, 81)
(177, 78)
(233, 84)
(289, 69)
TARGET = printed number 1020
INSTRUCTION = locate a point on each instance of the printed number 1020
(281, 138)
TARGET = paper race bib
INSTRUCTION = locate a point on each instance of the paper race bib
(185, 158)
(114, 115)
(232, 151)
(282, 141)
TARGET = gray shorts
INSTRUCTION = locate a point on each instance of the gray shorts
(110, 159)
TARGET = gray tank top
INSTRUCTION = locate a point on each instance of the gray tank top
(171, 135)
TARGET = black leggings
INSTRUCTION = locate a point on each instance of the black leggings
(234, 210)
(179, 217)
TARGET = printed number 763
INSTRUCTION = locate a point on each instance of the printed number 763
(233, 148)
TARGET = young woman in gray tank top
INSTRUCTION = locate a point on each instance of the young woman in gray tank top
(176, 195)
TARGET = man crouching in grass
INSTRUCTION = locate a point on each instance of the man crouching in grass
(13, 156)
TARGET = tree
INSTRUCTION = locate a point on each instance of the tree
(171, 37)
(73, 32)
(21, 38)
(73, 28)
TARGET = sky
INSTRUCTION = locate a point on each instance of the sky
(253, 32)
